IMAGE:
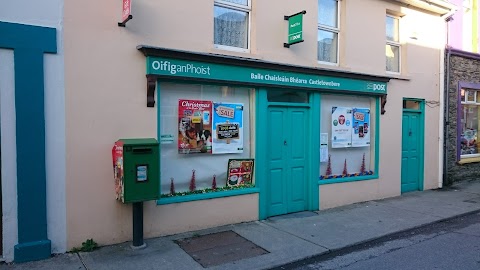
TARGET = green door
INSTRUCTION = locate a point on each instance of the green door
(412, 152)
(287, 160)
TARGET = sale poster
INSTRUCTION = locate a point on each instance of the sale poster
(227, 128)
(361, 127)
(194, 126)
(341, 127)
(240, 172)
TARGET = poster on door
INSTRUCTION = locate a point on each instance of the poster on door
(361, 127)
(227, 128)
(341, 127)
(194, 126)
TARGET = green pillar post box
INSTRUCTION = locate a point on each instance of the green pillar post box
(136, 170)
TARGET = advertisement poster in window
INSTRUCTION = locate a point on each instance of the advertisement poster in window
(361, 127)
(341, 127)
(194, 126)
(240, 172)
(227, 128)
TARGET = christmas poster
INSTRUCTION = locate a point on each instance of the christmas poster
(361, 127)
(227, 128)
(240, 172)
(341, 127)
(194, 126)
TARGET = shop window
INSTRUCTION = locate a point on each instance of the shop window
(231, 24)
(328, 30)
(192, 142)
(347, 140)
(392, 47)
(469, 123)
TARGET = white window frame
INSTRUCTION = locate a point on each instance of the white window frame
(395, 44)
(237, 7)
(475, 102)
(335, 30)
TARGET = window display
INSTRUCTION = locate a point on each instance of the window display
(347, 141)
(211, 125)
(470, 118)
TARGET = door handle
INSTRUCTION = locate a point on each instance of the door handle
(284, 142)
(410, 132)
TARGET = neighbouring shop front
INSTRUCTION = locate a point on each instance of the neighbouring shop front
(230, 126)
(462, 148)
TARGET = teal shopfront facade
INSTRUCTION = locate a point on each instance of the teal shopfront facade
(288, 112)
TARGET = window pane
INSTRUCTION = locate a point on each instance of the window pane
(327, 13)
(471, 96)
(231, 27)
(411, 104)
(393, 58)
(360, 159)
(468, 138)
(392, 29)
(327, 46)
(239, 2)
(287, 96)
(463, 95)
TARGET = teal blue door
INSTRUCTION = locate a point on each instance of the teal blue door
(287, 160)
(412, 152)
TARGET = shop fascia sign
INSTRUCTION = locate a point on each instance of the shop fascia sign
(295, 28)
(126, 12)
(236, 74)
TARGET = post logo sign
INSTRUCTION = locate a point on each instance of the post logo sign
(377, 87)
(295, 28)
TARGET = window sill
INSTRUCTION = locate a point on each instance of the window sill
(347, 179)
(398, 76)
(231, 49)
(207, 196)
(469, 160)
(331, 65)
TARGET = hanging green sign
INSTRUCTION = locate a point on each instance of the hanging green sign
(295, 28)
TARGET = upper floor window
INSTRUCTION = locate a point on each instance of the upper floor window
(392, 47)
(328, 29)
(231, 24)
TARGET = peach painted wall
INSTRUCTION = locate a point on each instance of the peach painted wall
(106, 100)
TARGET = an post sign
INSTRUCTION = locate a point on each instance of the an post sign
(295, 28)
(126, 12)
(176, 68)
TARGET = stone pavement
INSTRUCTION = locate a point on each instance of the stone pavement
(278, 240)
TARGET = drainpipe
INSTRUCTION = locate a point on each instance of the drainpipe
(441, 127)
(444, 111)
